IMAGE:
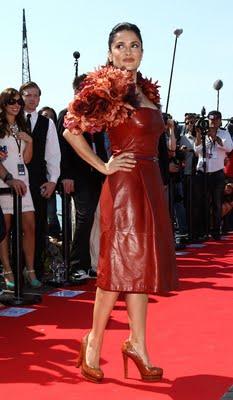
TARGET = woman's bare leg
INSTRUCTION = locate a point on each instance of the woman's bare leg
(137, 304)
(28, 227)
(104, 303)
(4, 249)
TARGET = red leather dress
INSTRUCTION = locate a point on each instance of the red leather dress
(136, 243)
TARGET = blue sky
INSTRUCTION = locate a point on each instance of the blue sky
(58, 28)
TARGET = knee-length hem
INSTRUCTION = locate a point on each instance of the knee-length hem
(6, 201)
(136, 244)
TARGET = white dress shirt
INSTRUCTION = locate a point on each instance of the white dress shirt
(215, 154)
(188, 140)
(52, 149)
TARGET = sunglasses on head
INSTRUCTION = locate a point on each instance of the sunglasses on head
(214, 117)
(11, 102)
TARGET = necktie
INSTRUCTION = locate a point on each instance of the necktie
(28, 123)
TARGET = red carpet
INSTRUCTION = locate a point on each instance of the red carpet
(189, 334)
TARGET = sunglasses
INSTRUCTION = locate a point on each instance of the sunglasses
(214, 118)
(12, 102)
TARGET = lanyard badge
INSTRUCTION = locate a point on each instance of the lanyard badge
(21, 169)
(20, 165)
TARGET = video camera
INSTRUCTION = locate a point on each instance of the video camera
(202, 122)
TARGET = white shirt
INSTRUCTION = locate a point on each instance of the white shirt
(215, 154)
(188, 140)
(52, 149)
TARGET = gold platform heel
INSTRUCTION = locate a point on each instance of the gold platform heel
(147, 373)
(90, 373)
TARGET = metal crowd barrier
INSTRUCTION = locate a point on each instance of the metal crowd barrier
(61, 276)
(66, 231)
(19, 298)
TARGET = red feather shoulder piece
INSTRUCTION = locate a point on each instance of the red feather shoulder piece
(106, 99)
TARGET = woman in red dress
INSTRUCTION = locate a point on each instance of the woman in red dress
(136, 246)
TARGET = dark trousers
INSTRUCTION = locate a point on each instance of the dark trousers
(176, 204)
(86, 200)
(216, 184)
(210, 211)
(54, 228)
(194, 206)
(40, 205)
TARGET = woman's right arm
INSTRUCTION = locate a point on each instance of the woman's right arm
(16, 184)
(171, 135)
(123, 162)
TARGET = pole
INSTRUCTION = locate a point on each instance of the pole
(20, 298)
(203, 126)
(76, 68)
(177, 33)
(76, 56)
(66, 231)
(218, 84)
(18, 249)
(169, 88)
(26, 77)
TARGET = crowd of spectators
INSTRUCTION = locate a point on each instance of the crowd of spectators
(201, 170)
(196, 162)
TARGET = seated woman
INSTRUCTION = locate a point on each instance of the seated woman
(17, 145)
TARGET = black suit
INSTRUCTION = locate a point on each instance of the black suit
(163, 159)
(37, 176)
(88, 183)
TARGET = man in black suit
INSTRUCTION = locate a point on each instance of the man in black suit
(44, 167)
(84, 183)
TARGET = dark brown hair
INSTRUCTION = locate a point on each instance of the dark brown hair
(124, 26)
(77, 81)
(5, 96)
(29, 85)
(47, 108)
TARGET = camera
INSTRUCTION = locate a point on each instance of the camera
(3, 149)
(203, 124)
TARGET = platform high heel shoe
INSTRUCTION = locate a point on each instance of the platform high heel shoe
(147, 373)
(10, 284)
(90, 373)
(33, 282)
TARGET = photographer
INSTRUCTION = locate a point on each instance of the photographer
(218, 142)
(177, 209)
(227, 205)
(186, 143)
(227, 224)
(186, 146)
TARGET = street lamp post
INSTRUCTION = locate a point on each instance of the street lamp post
(177, 33)
(217, 86)
(76, 56)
